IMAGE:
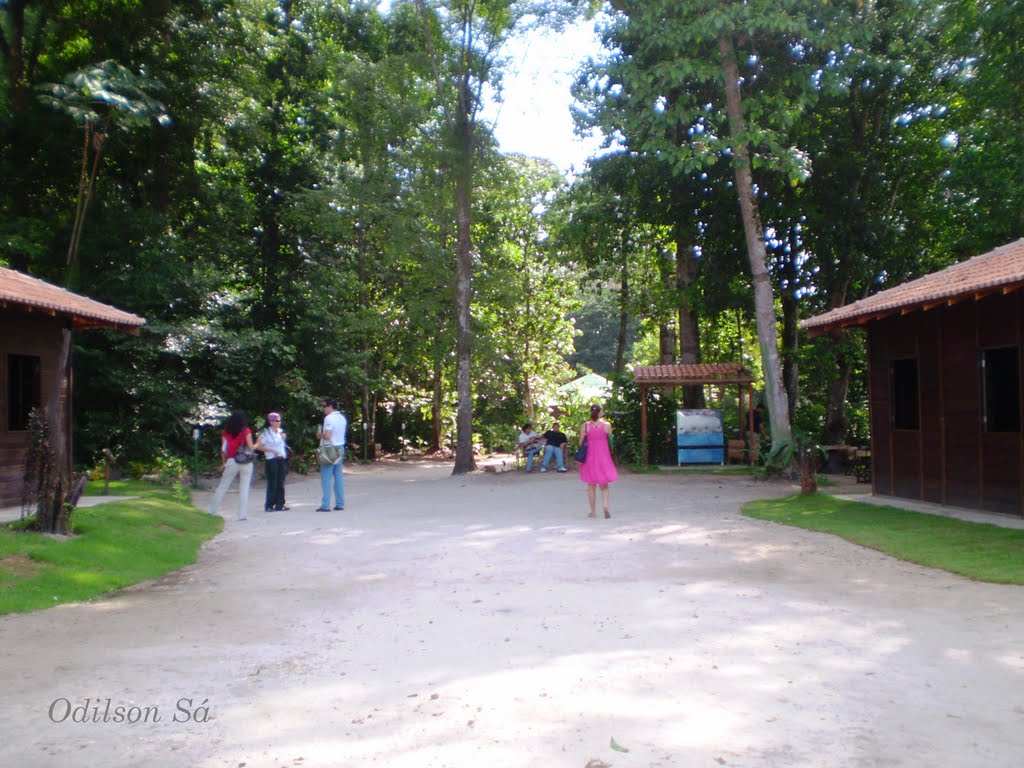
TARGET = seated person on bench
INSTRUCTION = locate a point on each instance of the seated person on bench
(530, 444)
(555, 441)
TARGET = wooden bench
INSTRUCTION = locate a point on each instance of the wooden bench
(736, 451)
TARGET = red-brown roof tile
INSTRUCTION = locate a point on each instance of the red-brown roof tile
(695, 373)
(30, 293)
(999, 271)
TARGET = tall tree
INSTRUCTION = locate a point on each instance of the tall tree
(741, 75)
(469, 35)
(100, 98)
(604, 230)
(872, 205)
(986, 183)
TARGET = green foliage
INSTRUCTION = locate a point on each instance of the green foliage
(984, 188)
(98, 92)
(171, 469)
(598, 323)
(290, 232)
(524, 295)
(623, 411)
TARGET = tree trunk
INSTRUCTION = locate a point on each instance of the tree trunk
(790, 347)
(836, 421)
(764, 298)
(464, 288)
(528, 296)
(435, 407)
(666, 344)
(94, 139)
(689, 331)
(668, 339)
(620, 346)
(52, 515)
(14, 55)
(808, 463)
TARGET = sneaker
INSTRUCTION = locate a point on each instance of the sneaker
(322, 509)
(543, 470)
(340, 509)
(270, 509)
(561, 470)
(281, 509)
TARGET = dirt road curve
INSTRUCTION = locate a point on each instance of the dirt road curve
(483, 622)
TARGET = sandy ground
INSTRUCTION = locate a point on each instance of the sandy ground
(483, 622)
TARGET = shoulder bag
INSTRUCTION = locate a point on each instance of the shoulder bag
(581, 452)
(244, 454)
(328, 453)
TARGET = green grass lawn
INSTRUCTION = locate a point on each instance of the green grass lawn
(976, 550)
(114, 545)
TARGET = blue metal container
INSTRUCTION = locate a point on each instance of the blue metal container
(699, 436)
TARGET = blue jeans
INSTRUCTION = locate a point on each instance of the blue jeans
(330, 474)
(530, 453)
(556, 451)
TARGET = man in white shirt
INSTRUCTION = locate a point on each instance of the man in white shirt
(530, 444)
(333, 430)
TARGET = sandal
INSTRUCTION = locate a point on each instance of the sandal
(607, 514)
(592, 515)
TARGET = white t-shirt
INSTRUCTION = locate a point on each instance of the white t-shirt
(336, 423)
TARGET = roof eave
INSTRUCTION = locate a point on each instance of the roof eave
(128, 323)
(859, 320)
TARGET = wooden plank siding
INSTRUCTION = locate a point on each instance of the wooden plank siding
(35, 335)
(949, 458)
(905, 444)
(931, 439)
(1000, 452)
(880, 412)
(961, 406)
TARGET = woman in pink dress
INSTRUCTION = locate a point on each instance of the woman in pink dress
(598, 469)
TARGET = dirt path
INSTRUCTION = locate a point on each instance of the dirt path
(483, 622)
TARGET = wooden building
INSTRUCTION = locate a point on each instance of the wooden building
(34, 316)
(944, 358)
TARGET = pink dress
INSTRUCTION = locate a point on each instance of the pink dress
(599, 467)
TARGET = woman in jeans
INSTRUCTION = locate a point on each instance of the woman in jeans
(236, 433)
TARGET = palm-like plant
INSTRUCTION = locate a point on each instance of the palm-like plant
(97, 98)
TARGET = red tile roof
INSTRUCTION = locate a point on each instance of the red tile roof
(698, 373)
(29, 293)
(999, 271)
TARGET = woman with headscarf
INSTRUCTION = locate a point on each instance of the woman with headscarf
(275, 449)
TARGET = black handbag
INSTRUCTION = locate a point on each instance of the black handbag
(581, 452)
(245, 455)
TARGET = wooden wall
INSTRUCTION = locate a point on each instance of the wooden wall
(24, 333)
(949, 459)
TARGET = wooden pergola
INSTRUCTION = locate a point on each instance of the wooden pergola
(720, 375)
